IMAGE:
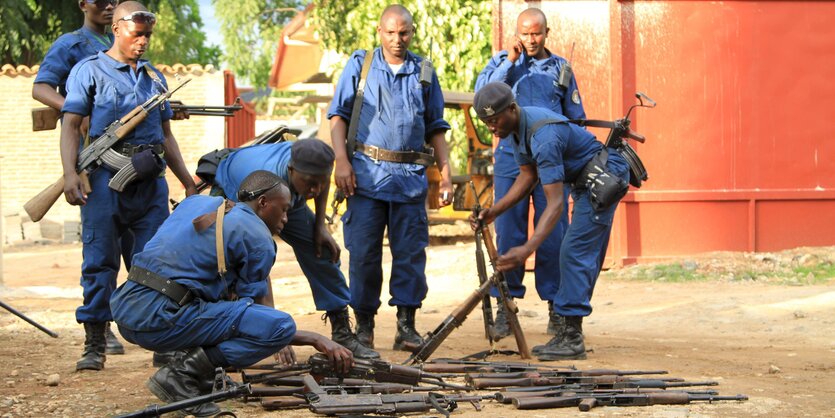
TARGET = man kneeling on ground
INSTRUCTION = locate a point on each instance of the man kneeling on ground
(183, 293)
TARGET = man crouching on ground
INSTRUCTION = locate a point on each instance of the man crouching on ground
(182, 294)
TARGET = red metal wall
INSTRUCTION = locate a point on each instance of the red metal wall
(739, 149)
(241, 127)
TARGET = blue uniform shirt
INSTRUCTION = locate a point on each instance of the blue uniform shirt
(68, 50)
(241, 163)
(397, 114)
(559, 150)
(179, 252)
(106, 90)
(534, 83)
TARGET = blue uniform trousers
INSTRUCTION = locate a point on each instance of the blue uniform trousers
(584, 247)
(364, 223)
(512, 231)
(140, 208)
(244, 332)
(328, 284)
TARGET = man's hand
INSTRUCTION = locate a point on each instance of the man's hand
(345, 178)
(486, 217)
(321, 237)
(513, 258)
(72, 189)
(340, 357)
(191, 189)
(179, 115)
(445, 193)
(286, 356)
(515, 50)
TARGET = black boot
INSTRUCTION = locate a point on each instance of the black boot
(161, 358)
(365, 329)
(501, 328)
(185, 378)
(341, 334)
(93, 357)
(113, 345)
(556, 327)
(568, 346)
(407, 338)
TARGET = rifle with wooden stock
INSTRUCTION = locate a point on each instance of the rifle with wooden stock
(93, 155)
(588, 401)
(435, 338)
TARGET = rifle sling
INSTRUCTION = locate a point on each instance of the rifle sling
(353, 127)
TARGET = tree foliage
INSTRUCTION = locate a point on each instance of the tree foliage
(454, 34)
(251, 30)
(28, 28)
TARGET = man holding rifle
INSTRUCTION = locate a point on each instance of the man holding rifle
(551, 151)
(104, 87)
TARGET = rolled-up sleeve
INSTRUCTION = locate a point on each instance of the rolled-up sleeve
(56, 65)
(346, 89)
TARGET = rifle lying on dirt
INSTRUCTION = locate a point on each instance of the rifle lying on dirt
(336, 385)
(98, 152)
(507, 397)
(372, 370)
(588, 401)
(27, 319)
(589, 382)
(435, 338)
(223, 391)
(562, 373)
(466, 366)
(325, 403)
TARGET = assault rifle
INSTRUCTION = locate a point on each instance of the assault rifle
(468, 366)
(507, 397)
(95, 154)
(325, 403)
(435, 338)
(225, 111)
(588, 401)
(370, 370)
(561, 373)
(590, 382)
(481, 268)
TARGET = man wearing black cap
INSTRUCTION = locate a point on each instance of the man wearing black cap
(306, 166)
(551, 151)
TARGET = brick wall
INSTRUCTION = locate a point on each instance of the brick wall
(29, 161)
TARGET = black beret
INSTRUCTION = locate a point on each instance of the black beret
(492, 98)
(312, 156)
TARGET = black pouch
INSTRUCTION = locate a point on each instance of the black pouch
(147, 164)
(207, 164)
(605, 188)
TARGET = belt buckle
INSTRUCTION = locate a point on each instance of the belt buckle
(374, 154)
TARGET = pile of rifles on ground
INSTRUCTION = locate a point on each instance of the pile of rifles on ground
(379, 387)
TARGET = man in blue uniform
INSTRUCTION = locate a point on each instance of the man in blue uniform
(104, 87)
(553, 152)
(384, 176)
(306, 165)
(50, 83)
(533, 72)
(188, 291)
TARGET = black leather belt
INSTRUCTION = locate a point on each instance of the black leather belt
(177, 292)
(131, 149)
(382, 154)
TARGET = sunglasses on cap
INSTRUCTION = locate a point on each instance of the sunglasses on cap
(141, 17)
(102, 4)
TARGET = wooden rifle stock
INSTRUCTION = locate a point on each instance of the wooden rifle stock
(501, 285)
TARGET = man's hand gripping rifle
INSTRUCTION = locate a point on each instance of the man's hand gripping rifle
(98, 152)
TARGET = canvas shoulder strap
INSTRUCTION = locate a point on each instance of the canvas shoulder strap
(353, 127)
(538, 125)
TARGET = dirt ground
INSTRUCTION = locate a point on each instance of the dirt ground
(761, 325)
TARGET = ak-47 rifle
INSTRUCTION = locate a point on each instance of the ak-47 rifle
(507, 397)
(588, 401)
(226, 111)
(481, 267)
(435, 338)
(322, 402)
(590, 382)
(92, 156)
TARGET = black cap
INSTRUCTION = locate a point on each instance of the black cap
(312, 156)
(492, 98)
